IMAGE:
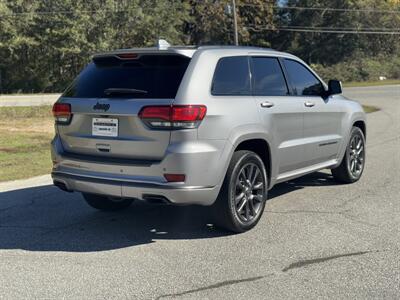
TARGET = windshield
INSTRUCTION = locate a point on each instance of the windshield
(158, 76)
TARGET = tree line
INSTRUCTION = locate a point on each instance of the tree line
(44, 43)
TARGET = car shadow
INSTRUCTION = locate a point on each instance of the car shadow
(47, 219)
(311, 180)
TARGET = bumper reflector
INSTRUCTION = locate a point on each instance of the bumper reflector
(175, 177)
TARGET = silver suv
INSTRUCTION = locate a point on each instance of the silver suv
(214, 126)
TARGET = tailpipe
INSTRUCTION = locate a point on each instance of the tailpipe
(62, 186)
(156, 199)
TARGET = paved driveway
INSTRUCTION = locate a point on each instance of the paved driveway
(316, 239)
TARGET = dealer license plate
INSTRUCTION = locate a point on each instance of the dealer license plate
(105, 127)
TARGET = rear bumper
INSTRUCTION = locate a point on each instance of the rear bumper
(201, 195)
(200, 161)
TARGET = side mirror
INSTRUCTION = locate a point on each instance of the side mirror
(334, 87)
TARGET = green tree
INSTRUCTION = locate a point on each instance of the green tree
(15, 42)
(208, 23)
(44, 44)
(317, 47)
(212, 22)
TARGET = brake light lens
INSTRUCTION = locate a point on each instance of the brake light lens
(188, 113)
(127, 56)
(173, 116)
(156, 112)
(62, 113)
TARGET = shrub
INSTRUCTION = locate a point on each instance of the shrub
(361, 69)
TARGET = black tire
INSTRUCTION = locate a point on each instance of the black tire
(226, 210)
(106, 203)
(344, 172)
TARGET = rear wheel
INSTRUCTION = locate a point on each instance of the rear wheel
(352, 166)
(106, 203)
(241, 201)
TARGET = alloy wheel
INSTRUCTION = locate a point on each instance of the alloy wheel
(356, 155)
(249, 192)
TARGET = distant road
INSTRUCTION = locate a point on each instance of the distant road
(374, 95)
(357, 93)
(28, 100)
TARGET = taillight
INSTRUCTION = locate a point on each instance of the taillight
(173, 116)
(62, 113)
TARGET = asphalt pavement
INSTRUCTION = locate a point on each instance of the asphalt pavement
(317, 239)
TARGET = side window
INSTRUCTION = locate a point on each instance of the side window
(303, 81)
(268, 77)
(232, 76)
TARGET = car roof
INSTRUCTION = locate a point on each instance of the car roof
(246, 50)
(189, 51)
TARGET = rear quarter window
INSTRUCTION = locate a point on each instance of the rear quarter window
(158, 75)
(231, 77)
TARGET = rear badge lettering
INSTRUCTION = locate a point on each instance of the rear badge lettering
(99, 106)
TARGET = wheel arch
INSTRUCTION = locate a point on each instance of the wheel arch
(361, 124)
(262, 148)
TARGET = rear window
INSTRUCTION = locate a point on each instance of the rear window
(232, 77)
(149, 76)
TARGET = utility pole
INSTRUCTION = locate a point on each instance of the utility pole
(235, 28)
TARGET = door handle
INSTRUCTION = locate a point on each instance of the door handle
(267, 104)
(309, 104)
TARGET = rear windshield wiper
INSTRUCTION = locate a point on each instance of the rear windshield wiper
(121, 91)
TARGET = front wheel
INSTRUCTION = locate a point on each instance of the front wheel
(106, 203)
(353, 162)
(241, 201)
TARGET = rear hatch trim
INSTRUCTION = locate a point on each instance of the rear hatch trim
(109, 160)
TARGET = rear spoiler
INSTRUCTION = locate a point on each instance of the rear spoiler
(134, 53)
